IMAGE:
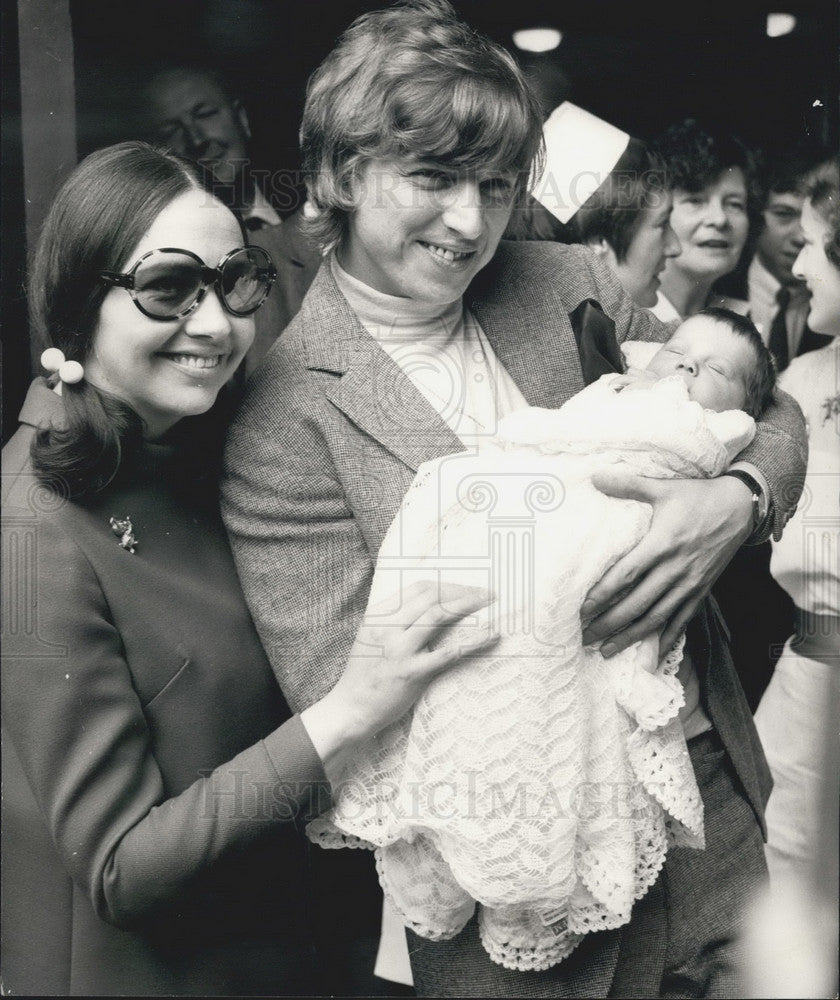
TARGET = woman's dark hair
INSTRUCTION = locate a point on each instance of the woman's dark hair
(696, 155)
(98, 217)
(761, 382)
(613, 213)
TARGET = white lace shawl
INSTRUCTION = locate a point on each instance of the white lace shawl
(538, 780)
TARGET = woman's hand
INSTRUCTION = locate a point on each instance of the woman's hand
(391, 664)
(697, 527)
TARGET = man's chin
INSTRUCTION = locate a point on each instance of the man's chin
(648, 296)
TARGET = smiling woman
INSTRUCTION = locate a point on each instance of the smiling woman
(797, 716)
(173, 367)
(714, 181)
(152, 770)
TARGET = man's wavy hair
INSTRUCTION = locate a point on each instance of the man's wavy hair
(822, 189)
(412, 81)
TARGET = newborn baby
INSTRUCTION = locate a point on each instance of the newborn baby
(541, 780)
(719, 356)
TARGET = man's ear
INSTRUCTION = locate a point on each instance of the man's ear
(241, 117)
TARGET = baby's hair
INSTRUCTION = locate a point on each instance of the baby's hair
(761, 381)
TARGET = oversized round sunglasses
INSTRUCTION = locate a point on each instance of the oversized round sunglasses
(169, 283)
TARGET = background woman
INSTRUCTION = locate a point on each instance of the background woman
(791, 944)
(713, 177)
(626, 221)
(799, 707)
(153, 775)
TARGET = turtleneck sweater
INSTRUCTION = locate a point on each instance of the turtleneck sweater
(442, 349)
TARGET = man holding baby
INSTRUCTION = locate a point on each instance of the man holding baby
(421, 331)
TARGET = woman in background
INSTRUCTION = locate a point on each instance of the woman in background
(713, 176)
(153, 773)
(626, 220)
(791, 940)
(799, 708)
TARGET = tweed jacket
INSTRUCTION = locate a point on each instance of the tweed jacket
(150, 766)
(332, 432)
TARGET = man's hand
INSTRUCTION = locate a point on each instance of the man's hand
(697, 527)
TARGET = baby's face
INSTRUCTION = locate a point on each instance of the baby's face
(714, 361)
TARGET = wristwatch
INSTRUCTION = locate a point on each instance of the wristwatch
(759, 500)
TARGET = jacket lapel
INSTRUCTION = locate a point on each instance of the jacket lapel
(566, 342)
(370, 388)
(598, 349)
(539, 353)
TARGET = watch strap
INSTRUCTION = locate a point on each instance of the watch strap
(759, 502)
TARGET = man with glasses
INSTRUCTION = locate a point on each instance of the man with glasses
(190, 110)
